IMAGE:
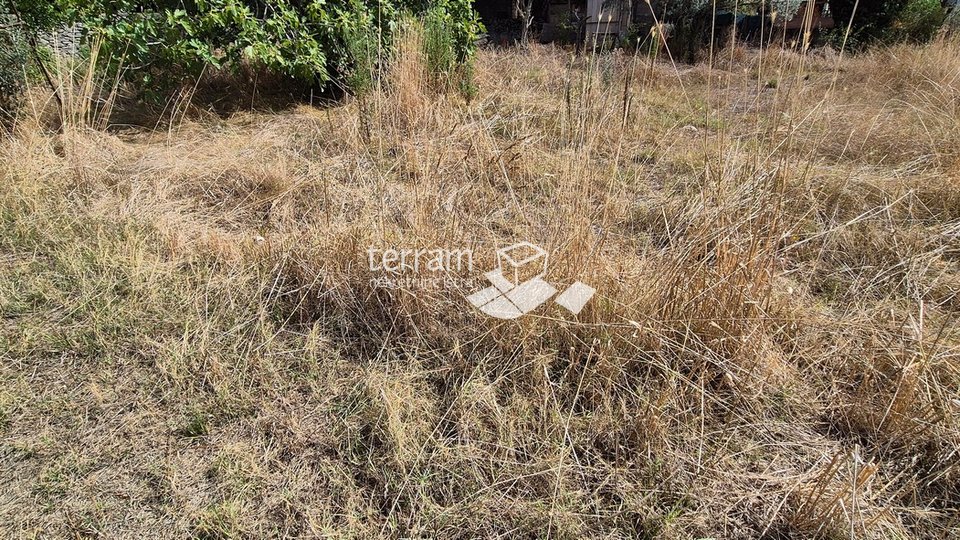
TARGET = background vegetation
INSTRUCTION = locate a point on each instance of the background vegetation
(318, 42)
(886, 21)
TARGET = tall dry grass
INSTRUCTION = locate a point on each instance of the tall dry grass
(192, 343)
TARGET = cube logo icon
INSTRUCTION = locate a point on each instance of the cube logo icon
(522, 262)
(517, 286)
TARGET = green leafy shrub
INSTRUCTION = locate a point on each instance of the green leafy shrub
(448, 42)
(918, 21)
(13, 64)
(691, 26)
(886, 21)
(317, 42)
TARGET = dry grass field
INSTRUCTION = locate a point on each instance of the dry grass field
(191, 344)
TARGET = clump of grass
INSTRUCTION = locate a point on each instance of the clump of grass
(197, 424)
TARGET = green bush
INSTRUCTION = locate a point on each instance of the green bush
(315, 41)
(918, 21)
(13, 64)
(886, 21)
(446, 31)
